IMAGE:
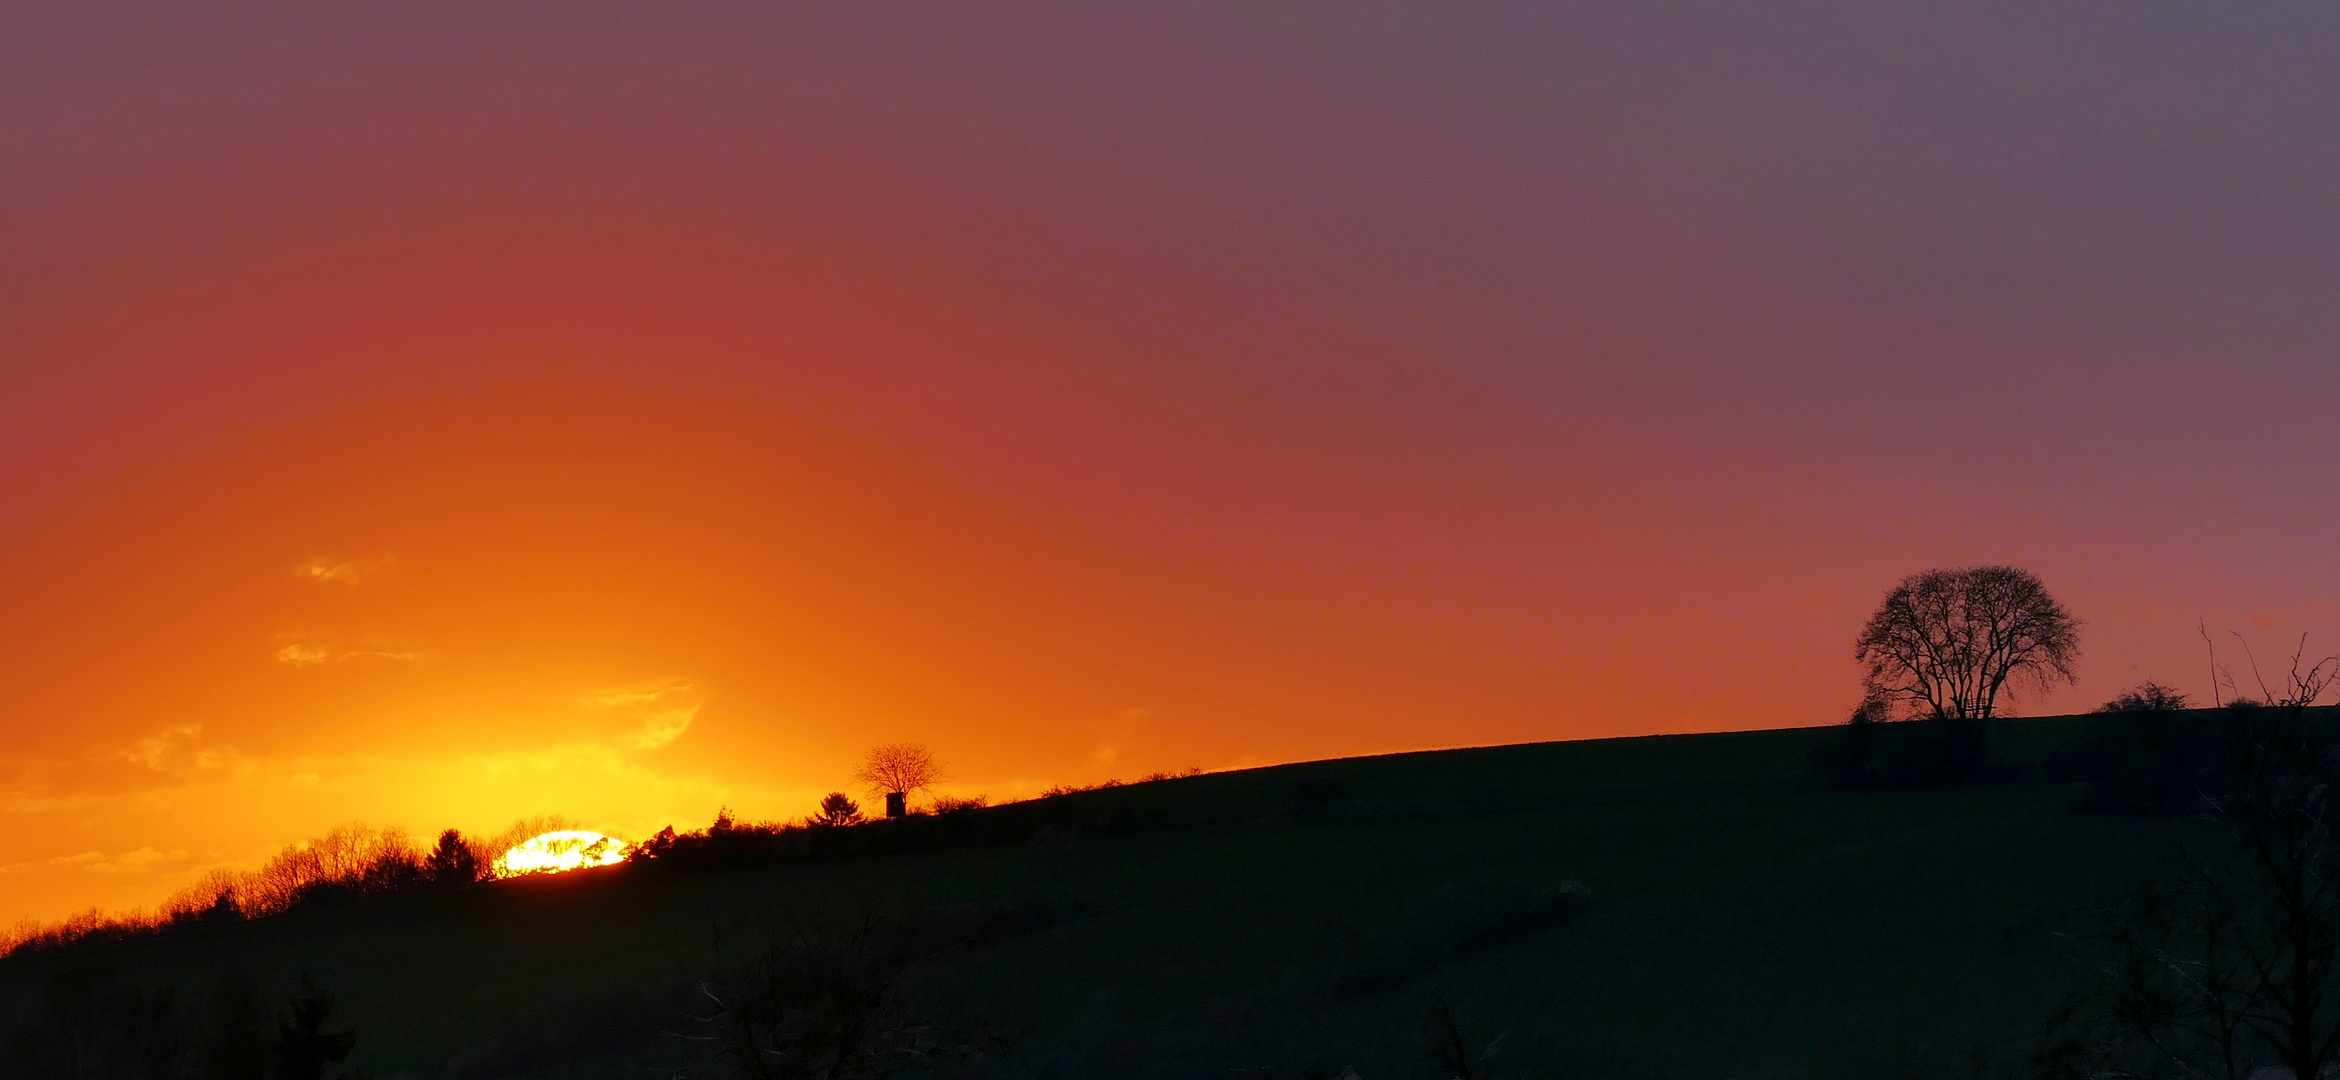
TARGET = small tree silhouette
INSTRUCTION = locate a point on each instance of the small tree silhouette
(304, 1049)
(896, 770)
(452, 862)
(836, 809)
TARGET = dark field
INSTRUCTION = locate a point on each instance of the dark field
(1307, 917)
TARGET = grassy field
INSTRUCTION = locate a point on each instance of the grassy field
(1739, 925)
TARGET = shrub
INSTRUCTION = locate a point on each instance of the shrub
(836, 810)
(1870, 749)
(2145, 753)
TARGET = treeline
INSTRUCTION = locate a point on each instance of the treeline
(356, 862)
(840, 830)
(348, 863)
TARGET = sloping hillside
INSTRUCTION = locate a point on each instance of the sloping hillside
(1666, 906)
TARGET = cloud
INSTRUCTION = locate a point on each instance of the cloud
(342, 571)
(311, 654)
(303, 655)
(169, 759)
(161, 751)
(661, 712)
(1118, 732)
(139, 861)
(663, 728)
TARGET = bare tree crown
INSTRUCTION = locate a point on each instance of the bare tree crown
(899, 768)
(1951, 643)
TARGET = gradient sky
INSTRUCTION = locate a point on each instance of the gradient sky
(435, 413)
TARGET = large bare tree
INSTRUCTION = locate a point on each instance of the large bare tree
(896, 770)
(1951, 643)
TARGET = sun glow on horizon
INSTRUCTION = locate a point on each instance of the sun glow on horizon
(558, 852)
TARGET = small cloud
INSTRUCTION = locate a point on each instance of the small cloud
(663, 728)
(623, 699)
(61, 862)
(97, 862)
(662, 712)
(134, 862)
(311, 654)
(303, 655)
(342, 571)
(161, 750)
(1119, 731)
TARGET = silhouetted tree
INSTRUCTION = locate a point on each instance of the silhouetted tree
(1950, 643)
(837, 809)
(657, 847)
(896, 770)
(2237, 964)
(304, 1049)
(452, 862)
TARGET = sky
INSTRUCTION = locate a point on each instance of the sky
(430, 414)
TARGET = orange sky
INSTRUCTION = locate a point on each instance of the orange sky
(437, 416)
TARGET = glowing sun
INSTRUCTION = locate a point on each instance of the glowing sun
(554, 852)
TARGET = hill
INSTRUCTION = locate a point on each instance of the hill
(1663, 906)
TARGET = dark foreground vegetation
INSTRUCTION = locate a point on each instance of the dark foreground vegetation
(1674, 906)
(92, 1025)
(1927, 890)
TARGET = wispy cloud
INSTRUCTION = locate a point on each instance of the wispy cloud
(342, 571)
(139, 861)
(661, 712)
(1118, 732)
(663, 728)
(312, 653)
(171, 758)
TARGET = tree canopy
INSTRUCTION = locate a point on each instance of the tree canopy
(1951, 643)
(899, 768)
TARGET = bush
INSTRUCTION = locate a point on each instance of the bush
(2145, 753)
(1871, 750)
(837, 810)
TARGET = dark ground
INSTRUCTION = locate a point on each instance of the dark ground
(1736, 923)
